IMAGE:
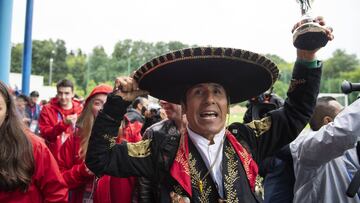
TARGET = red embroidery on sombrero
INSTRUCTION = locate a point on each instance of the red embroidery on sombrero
(180, 168)
(249, 164)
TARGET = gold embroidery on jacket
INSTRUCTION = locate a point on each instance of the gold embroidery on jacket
(178, 190)
(232, 176)
(294, 83)
(180, 158)
(260, 126)
(139, 149)
(196, 178)
(259, 189)
(111, 140)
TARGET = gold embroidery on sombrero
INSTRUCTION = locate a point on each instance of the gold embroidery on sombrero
(260, 126)
(192, 52)
(213, 51)
(232, 176)
(223, 51)
(139, 149)
(182, 53)
(111, 140)
(158, 60)
(202, 51)
(232, 52)
(205, 190)
(173, 55)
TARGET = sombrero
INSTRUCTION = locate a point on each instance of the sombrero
(242, 73)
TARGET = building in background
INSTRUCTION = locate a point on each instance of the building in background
(36, 83)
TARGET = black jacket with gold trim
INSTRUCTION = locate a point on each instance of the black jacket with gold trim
(153, 157)
(134, 159)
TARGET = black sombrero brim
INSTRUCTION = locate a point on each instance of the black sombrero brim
(243, 74)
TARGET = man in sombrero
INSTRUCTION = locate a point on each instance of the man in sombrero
(206, 163)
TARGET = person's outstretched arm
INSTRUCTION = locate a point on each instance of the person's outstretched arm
(331, 141)
(283, 125)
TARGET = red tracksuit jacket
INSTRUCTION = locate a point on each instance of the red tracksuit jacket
(77, 178)
(47, 183)
(51, 123)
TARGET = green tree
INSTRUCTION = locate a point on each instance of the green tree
(280, 88)
(120, 56)
(76, 63)
(352, 76)
(338, 63)
(60, 69)
(160, 48)
(98, 66)
(285, 74)
(42, 51)
(176, 45)
(16, 58)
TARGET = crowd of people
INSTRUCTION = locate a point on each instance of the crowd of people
(120, 146)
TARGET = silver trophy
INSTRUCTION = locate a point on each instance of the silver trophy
(310, 35)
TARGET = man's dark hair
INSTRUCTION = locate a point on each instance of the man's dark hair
(65, 83)
(34, 94)
(23, 97)
(321, 110)
(137, 101)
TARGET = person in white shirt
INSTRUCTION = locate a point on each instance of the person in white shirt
(325, 161)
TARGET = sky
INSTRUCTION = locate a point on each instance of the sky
(262, 26)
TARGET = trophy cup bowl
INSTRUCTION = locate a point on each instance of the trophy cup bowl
(310, 35)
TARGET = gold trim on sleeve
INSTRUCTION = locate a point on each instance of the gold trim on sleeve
(110, 139)
(260, 126)
(139, 149)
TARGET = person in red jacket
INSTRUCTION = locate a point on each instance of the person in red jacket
(79, 179)
(134, 120)
(58, 117)
(28, 171)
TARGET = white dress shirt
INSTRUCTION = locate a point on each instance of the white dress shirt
(325, 161)
(208, 152)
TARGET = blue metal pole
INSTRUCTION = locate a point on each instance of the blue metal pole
(6, 7)
(26, 72)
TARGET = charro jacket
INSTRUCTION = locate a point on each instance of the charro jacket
(153, 158)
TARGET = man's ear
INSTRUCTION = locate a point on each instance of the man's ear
(327, 119)
(183, 108)
(228, 106)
